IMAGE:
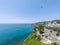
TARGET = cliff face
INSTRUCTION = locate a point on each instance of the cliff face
(42, 32)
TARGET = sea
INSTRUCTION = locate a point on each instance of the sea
(11, 34)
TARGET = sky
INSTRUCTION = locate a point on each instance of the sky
(29, 11)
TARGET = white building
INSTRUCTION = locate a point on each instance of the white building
(54, 24)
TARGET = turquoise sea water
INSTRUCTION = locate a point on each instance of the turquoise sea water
(14, 33)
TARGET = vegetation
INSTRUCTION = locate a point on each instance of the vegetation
(39, 38)
(54, 43)
(35, 28)
(54, 28)
(41, 27)
(32, 40)
(58, 22)
(57, 33)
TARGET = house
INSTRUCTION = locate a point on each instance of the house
(46, 40)
(54, 24)
(49, 36)
(58, 40)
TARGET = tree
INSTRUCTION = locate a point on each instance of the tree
(35, 28)
(39, 38)
(54, 43)
(58, 22)
(57, 33)
(41, 27)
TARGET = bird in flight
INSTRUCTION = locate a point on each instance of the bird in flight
(41, 6)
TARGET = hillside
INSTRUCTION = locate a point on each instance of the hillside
(32, 40)
(45, 33)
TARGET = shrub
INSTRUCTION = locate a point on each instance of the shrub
(39, 38)
(57, 34)
(41, 27)
(54, 43)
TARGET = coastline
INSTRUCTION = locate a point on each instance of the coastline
(34, 37)
(20, 43)
(31, 40)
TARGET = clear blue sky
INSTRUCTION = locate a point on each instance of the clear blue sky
(28, 11)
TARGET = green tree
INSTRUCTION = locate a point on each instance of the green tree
(57, 33)
(54, 43)
(35, 28)
(39, 38)
(58, 22)
(41, 27)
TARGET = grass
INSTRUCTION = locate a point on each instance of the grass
(32, 40)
